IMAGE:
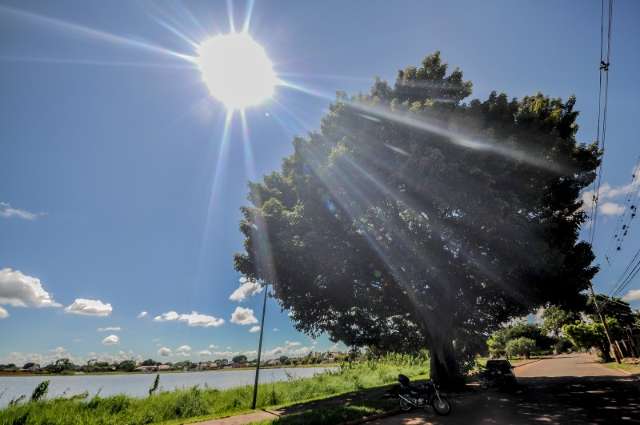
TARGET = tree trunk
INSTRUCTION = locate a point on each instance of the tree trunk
(444, 366)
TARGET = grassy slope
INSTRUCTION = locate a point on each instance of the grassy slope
(207, 403)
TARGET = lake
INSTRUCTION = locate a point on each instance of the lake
(137, 385)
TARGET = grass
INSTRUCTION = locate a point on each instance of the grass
(208, 403)
(627, 367)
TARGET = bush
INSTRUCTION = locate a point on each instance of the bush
(563, 346)
(520, 347)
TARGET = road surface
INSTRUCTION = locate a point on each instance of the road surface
(568, 389)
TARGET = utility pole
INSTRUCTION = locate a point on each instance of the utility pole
(604, 325)
(255, 383)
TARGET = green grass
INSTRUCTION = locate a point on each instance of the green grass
(207, 403)
(631, 368)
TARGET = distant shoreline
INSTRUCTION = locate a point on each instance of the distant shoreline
(119, 372)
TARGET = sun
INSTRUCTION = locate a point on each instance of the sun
(236, 70)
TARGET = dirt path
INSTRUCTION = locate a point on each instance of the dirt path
(572, 389)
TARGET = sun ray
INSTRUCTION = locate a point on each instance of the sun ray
(248, 15)
(431, 126)
(232, 25)
(93, 33)
(174, 31)
(91, 62)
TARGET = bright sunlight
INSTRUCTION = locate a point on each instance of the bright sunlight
(236, 70)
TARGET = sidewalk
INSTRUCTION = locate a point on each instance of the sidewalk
(247, 418)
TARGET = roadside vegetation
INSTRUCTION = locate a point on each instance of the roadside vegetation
(207, 402)
(562, 331)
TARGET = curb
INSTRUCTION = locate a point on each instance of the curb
(526, 363)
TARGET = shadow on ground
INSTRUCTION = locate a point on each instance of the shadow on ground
(544, 400)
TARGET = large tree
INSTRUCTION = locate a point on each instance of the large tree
(413, 220)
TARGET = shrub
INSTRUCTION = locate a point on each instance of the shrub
(520, 347)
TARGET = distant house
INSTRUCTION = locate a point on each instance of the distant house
(146, 369)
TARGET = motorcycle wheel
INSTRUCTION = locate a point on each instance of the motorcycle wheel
(404, 405)
(441, 405)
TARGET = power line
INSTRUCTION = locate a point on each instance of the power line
(603, 93)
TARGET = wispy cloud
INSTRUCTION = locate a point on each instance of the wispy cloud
(110, 329)
(191, 319)
(7, 211)
(142, 315)
(246, 289)
(254, 329)
(609, 196)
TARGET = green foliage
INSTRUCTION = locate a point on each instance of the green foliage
(587, 335)
(196, 402)
(521, 346)
(40, 391)
(385, 229)
(498, 341)
(611, 307)
(241, 358)
(127, 366)
(554, 318)
(563, 345)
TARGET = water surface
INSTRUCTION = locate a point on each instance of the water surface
(138, 385)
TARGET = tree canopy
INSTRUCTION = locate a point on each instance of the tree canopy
(413, 220)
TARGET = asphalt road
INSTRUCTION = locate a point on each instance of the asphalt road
(570, 389)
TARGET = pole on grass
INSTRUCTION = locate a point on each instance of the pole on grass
(255, 383)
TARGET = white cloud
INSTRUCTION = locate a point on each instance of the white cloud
(611, 208)
(183, 350)
(276, 330)
(142, 314)
(111, 340)
(290, 344)
(246, 289)
(20, 290)
(3, 313)
(167, 317)
(110, 329)
(192, 319)
(164, 351)
(254, 329)
(7, 211)
(204, 353)
(632, 295)
(609, 193)
(197, 319)
(88, 307)
(243, 316)
(211, 346)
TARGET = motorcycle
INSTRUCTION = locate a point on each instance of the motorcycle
(422, 395)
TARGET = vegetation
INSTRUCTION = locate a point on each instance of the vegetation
(585, 335)
(520, 347)
(499, 341)
(206, 402)
(554, 318)
(412, 220)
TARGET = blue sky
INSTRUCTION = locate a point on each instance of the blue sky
(110, 149)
